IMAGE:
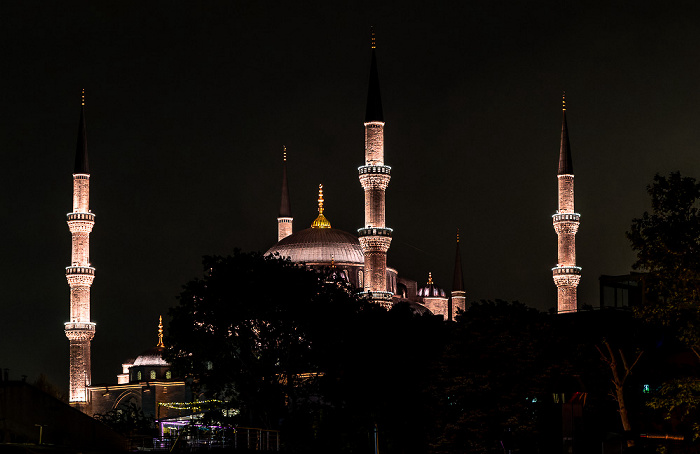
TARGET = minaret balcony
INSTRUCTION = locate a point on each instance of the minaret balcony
(89, 217)
(375, 231)
(80, 270)
(79, 326)
(373, 170)
(566, 270)
(566, 217)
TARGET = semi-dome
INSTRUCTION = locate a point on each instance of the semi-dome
(320, 245)
(151, 357)
(430, 290)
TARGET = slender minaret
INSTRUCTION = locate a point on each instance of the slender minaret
(375, 237)
(80, 330)
(459, 296)
(284, 220)
(566, 274)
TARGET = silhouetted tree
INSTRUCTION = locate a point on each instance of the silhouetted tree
(667, 242)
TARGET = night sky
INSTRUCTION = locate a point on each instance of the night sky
(190, 103)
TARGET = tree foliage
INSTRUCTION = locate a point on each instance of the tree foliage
(667, 242)
(298, 350)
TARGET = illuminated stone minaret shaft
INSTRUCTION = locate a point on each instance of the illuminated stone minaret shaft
(375, 237)
(80, 330)
(285, 219)
(566, 222)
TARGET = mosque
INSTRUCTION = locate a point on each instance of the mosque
(360, 260)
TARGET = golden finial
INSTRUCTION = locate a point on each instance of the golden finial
(332, 260)
(374, 38)
(320, 199)
(160, 332)
(321, 222)
(284, 153)
(563, 101)
(82, 98)
(458, 234)
(430, 278)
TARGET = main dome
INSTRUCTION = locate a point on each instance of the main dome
(320, 245)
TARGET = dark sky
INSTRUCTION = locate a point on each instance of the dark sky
(189, 104)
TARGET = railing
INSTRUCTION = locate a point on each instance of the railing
(364, 170)
(574, 217)
(566, 270)
(81, 217)
(375, 231)
(197, 437)
(80, 270)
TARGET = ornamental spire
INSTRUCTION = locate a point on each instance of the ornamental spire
(160, 332)
(566, 165)
(374, 100)
(321, 222)
(81, 152)
(430, 278)
(458, 278)
(285, 203)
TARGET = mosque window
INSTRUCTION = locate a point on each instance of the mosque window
(153, 375)
(168, 375)
(138, 375)
(209, 365)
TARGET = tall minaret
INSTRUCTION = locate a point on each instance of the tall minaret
(375, 237)
(284, 220)
(80, 330)
(459, 296)
(566, 274)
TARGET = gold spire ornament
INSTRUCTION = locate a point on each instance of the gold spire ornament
(563, 101)
(82, 101)
(321, 222)
(284, 153)
(374, 38)
(160, 332)
(430, 278)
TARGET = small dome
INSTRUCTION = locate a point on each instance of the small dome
(151, 357)
(320, 245)
(430, 290)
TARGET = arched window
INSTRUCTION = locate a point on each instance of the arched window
(138, 375)
(360, 279)
(153, 375)
(168, 375)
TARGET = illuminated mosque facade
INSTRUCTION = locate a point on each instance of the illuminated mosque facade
(148, 382)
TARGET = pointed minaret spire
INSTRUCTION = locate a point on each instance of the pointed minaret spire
(81, 152)
(459, 296)
(285, 219)
(374, 100)
(160, 332)
(566, 221)
(566, 166)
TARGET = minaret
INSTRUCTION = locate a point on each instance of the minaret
(459, 296)
(80, 330)
(375, 237)
(284, 220)
(566, 274)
